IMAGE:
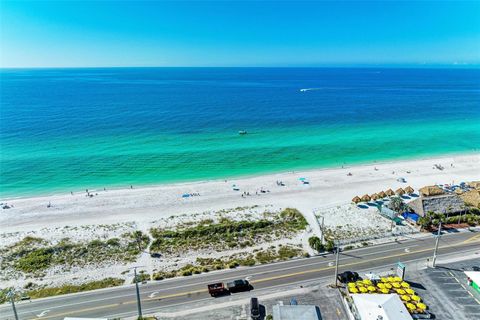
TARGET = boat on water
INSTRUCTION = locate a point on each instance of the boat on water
(242, 132)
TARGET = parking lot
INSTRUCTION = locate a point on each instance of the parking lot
(446, 292)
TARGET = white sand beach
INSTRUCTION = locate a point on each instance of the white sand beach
(112, 213)
(326, 188)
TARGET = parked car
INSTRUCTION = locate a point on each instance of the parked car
(216, 289)
(238, 285)
(347, 276)
(155, 255)
(254, 309)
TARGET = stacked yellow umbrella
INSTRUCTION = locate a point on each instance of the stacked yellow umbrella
(400, 291)
(405, 298)
(391, 279)
(397, 279)
(410, 291)
(352, 289)
(405, 285)
(367, 282)
(384, 279)
(421, 306)
(381, 285)
(384, 291)
(351, 284)
(363, 289)
(359, 283)
(396, 285)
(371, 288)
(411, 306)
(388, 286)
(415, 298)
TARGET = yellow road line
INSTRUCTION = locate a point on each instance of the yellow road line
(473, 239)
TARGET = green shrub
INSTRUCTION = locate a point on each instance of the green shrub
(316, 244)
(65, 289)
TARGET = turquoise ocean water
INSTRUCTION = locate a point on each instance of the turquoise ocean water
(72, 129)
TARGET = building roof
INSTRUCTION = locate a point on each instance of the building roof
(472, 198)
(446, 203)
(297, 312)
(380, 306)
(474, 276)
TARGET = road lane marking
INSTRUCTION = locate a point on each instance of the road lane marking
(266, 279)
(472, 239)
(151, 295)
(43, 313)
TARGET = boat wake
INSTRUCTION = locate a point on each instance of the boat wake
(310, 89)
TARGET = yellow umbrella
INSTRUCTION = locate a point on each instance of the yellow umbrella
(405, 298)
(421, 306)
(400, 291)
(391, 279)
(351, 284)
(415, 297)
(405, 284)
(359, 283)
(353, 290)
(397, 279)
(384, 279)
(381, 285)
(388, 286)
(367, 282)
(371, 288)
(384, 291)
(410, 291)
(411, 306)
(396, 285)
(363, 289)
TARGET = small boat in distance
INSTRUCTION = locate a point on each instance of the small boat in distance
(242, 132)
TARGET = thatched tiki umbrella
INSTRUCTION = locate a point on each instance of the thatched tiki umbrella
(382, 194)
(366, 198)
(389, 192)
(429, 191)
(409, 190)
(356, 199)
(374, 196)
(400, 191)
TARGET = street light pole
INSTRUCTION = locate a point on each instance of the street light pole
(11, 295)
(336, 267)
(436, 244)
(323, 226)
(139, 305)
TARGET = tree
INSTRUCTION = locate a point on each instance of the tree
(330, 245)
(397, 204)
(316, 244)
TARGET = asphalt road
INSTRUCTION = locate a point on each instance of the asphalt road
(121, 301)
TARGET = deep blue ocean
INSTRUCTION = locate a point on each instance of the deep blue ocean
(71, 129)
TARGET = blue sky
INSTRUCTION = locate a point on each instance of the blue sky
(247, 33)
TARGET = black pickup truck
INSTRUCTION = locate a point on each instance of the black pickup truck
(238, 285)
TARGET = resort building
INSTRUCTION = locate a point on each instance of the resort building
(473, 279)
(379, 306)
(472, 198)
(445, 203)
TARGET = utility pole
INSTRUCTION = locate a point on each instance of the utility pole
(436, 244)
(323, 226)
(336, 267)
(11, 295)
(139, 305)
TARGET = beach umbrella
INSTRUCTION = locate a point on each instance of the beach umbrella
(391, 279)
(396, 285)
(405, 298)
(371, 288)
(367, 281)
(400, 191)
(409, 190)
(421, 306)
(388, 286)
(381, 285)
(389, 192)
(415, 297)
(383, 279)
(366, 198)
(351, 284)
(400, 291)
(458, 191)
(397, 279)
(382, 194)
(429, 191)
(374, 196)
(384, 291)
(353, 290)
(359, 283)
(356, 199)
(363, 289)
(411, 306)
(410, 291)
(405, 285)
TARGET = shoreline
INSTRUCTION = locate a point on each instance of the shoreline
(115, 187)
(328, 187)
